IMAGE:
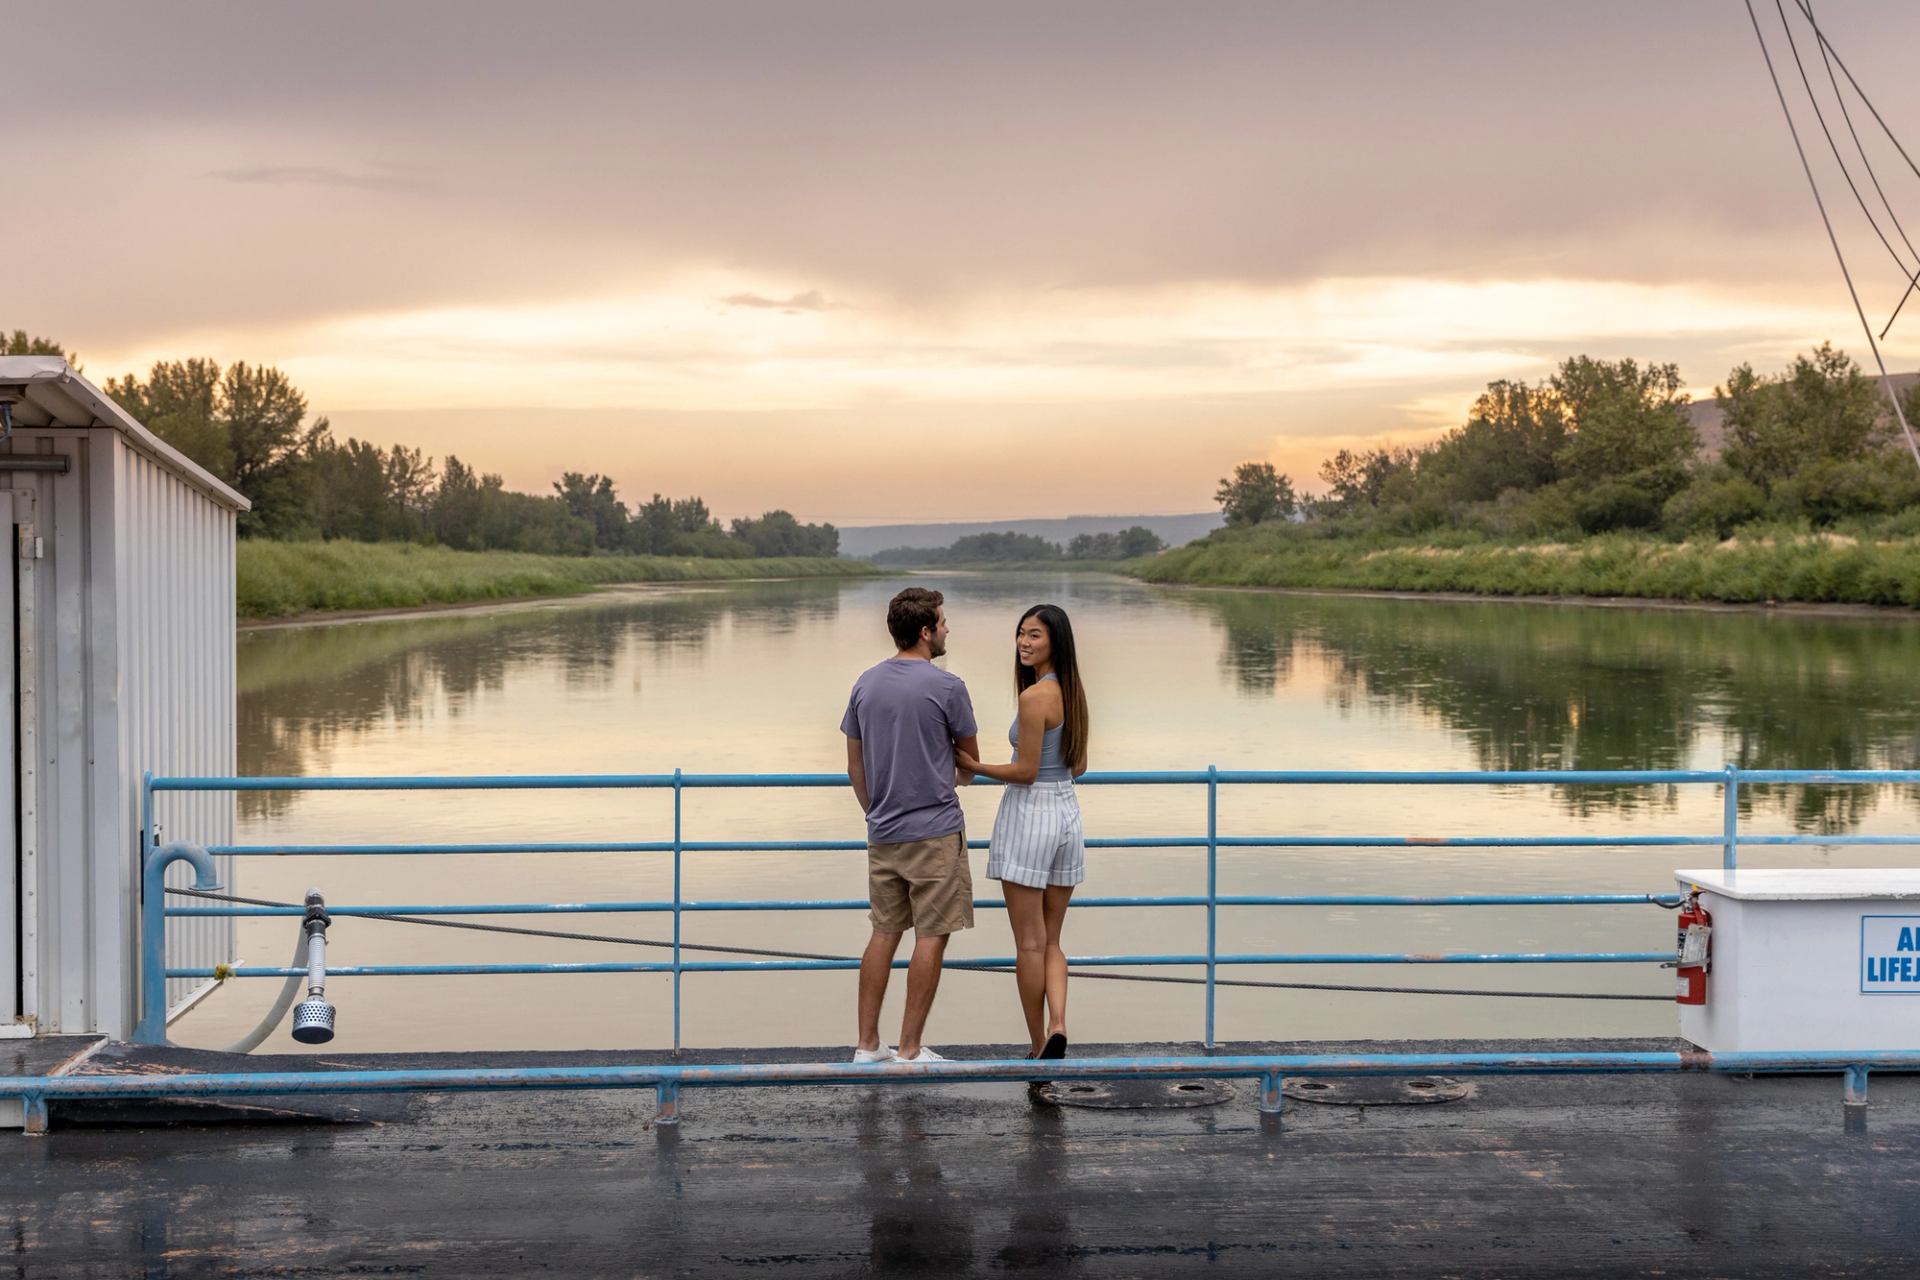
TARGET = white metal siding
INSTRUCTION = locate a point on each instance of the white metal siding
(133, 605)
(174, 579)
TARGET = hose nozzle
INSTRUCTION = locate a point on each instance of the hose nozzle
(313, 1017)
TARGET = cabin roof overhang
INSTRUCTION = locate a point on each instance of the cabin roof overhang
(46, 392)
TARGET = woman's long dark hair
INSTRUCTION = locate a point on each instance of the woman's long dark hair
(1066, 670)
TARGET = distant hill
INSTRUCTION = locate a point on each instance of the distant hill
(1709, 419)
(1174, 530)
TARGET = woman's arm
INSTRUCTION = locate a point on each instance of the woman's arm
(1032, 734)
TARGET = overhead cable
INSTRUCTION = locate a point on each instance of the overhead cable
(1826, 60)
(1886, 379)
(1912, 275)
(1826, 45)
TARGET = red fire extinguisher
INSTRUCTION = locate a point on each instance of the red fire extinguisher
(1693, 955)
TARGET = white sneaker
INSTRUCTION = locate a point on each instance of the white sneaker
(883, 1054)
(925, 1055)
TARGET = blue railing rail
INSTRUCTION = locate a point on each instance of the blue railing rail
(152, 1026)
(666, 1080)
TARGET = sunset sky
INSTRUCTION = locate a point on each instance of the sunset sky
(891, 261)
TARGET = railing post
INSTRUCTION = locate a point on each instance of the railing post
(676, 918)
(1730, 824)
(1213, 889)
(666, 1102)
(1272, 1101)
(1856, 1087)
(152, 1026)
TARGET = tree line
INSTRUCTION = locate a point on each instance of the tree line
(247, 425)
(1610, 445)
(1027, 548)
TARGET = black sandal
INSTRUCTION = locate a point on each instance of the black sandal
(1055, 1047)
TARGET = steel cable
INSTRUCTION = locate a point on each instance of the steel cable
(968, 965)
(1886, 379)
(1806, 11)
(1826, 60)
(1910, 275)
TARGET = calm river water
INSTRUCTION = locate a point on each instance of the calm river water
(753, 678)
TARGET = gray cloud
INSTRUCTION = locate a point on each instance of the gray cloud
(388, 178)
(914, 155)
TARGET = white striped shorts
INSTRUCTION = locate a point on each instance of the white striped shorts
(1037, 840)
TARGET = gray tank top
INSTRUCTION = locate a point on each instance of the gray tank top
(1053, 768)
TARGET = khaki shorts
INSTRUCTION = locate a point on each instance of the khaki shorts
(924, 883)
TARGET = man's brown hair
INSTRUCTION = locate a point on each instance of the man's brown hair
(911, 612)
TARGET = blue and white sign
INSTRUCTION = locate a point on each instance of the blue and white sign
(1890, 955)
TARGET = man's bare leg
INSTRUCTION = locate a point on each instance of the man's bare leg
(923, 979)
(876, 965)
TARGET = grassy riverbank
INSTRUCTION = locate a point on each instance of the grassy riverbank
(288, 579)
(1755, 567)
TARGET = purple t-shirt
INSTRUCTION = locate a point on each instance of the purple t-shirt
(906, 712)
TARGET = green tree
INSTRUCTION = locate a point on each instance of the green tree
(263, 412)
(1137, 540)
(1357, 481)
(1256, 493)
(1822, 407)
(777, 533)
(1622, 418)
(180, 403)
(674, 526)
(1512, 439)
(247, 426)
(592, 498)
(349, 493)
(456, 516)
(1092, 546)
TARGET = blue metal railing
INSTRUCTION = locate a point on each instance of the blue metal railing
(666, 1080)
(154, 972)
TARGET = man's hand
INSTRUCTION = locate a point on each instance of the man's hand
(966, 760)
(857, 774)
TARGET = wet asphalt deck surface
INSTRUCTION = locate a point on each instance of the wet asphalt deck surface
(1670, 1175)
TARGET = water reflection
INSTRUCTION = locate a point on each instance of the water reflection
(302, 690)
(1543, 687)
(918, 1223)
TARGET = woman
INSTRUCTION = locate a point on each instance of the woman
(1037, 852)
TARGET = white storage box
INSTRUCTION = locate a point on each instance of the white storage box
(1809, 960)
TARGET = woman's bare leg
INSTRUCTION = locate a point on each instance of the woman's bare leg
(1053, 910)
(1026, 911)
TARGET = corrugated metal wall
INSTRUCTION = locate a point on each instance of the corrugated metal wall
(133, 600)
(174, 549)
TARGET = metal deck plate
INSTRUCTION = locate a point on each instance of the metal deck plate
(1134, 1095)
(1378, 1091)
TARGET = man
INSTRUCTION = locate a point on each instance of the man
(903, 722)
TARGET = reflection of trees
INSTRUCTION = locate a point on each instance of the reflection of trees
(1545, 688)
(302, 689)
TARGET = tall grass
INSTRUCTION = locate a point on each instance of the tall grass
(286, 579)
(1781, 566)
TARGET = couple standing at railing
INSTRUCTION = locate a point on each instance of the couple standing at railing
(911, 738)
